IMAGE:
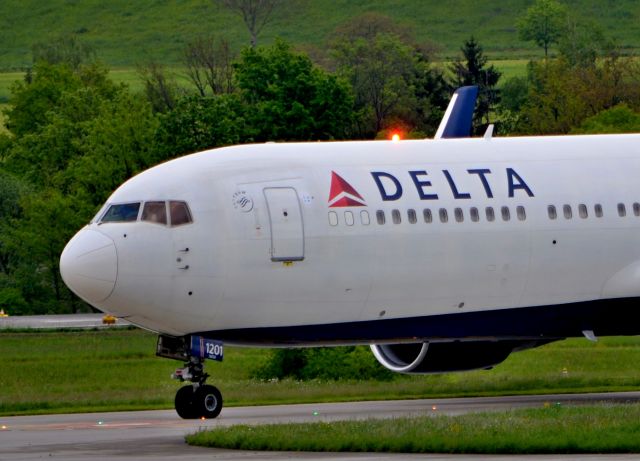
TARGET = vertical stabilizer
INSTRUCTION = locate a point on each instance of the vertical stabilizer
(457, 119)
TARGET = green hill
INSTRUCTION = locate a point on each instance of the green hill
(124, 32)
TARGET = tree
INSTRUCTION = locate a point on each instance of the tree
(471, 70)
(288, 98)
(255, 14)
(48, 221)
(209, 65)
(48, 114)
(11, 190)
(583, 43)
(391, 79)
(513, 94)
(159, 87)
(562, 96)
(65, 49)
(543, 23)
(113, 146)
(379, 71)
(32, 101)
(198, 123)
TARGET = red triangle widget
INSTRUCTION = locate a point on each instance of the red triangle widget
(344, 192)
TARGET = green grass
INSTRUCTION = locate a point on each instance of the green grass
(128, 76)
(49, 372)
(594, 429)
(511, 68)
(124, 33)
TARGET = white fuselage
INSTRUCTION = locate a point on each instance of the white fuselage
(287, 235)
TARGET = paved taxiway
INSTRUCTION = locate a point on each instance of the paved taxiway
(160, 434)
(56, 321)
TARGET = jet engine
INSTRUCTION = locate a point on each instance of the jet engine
(443, 357)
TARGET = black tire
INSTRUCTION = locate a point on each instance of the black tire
(184, 403)
(208, 402)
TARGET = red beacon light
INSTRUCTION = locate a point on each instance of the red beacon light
(395, 137)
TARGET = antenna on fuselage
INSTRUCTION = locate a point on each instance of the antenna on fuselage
(458, 117)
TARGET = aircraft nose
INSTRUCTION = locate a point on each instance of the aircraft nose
(89, 265)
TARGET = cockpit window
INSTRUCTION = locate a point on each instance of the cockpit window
(180, 213)
(123, 212)
(155, 212)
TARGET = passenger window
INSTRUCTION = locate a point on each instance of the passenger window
(506, 214)
(411, 216)
(458, 214)
(364, 217)
(582, 211)
(475, 215)
(348, 218)
(521, 212)
(444, 216)
(491, 216)
(395, 216)
(155, 212)
(551, 210)
(598, 210)
(380, 217)
(124, 212)
(568, 213)
(636, 209)
(180, 213)
(333, 218)
(622, 211)
(426, 214)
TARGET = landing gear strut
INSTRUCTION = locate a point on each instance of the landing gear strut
(197, 400)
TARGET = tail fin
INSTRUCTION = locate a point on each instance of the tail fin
(457, 119)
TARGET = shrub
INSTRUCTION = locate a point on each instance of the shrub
(328, 363)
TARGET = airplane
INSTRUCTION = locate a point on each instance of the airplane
(442, 254)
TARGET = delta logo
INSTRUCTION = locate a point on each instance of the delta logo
(343, 194)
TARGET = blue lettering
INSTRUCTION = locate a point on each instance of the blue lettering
(454, 189)
(377, 175)
(420, 185)
(516, 182)
(481, 174)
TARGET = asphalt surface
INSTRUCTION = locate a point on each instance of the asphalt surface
(159, 435)
(57, 321)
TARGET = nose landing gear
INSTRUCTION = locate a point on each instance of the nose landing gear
(197, 400)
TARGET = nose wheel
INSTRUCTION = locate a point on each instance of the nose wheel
(198, 401)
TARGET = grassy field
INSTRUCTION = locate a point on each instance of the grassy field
(48, 372)
(124, 33)
(596, 429)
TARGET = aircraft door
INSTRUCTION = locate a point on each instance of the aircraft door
(285, 218)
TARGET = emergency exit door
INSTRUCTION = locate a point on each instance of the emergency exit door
(285, 219)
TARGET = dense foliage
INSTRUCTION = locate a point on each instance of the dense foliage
(326, 363)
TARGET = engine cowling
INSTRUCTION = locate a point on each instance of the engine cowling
(444, 357)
